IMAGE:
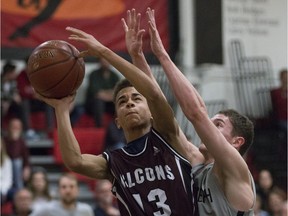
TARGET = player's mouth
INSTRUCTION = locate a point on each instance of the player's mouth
(131, 113)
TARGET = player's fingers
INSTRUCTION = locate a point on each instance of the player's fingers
(138, 21)
(140, 35)
(151, 27)
(148, 13)
(83, 54)
(71, 97)
(38, 96)
(129, 18)
(75, 31)
(134, 19)
(124, 24)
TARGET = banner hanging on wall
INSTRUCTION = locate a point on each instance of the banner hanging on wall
(26, 24)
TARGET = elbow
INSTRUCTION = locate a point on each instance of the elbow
(74, 166)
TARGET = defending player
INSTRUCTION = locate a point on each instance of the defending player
(148, 176)
(223, 182)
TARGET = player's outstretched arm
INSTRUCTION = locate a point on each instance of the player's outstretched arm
(134, 43)
(133, 39)
(159, 107)
(233, 167)
(181, 86)
(192, 104)
(85, 164)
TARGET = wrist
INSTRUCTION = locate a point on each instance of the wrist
(138, 55)
(104, 51)
(163, 56)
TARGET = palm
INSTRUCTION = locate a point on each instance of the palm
(133, 33)
(133, 44)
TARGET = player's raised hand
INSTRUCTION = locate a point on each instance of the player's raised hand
(63, 103)
(94, 47)
(133, 33)
(155, 40)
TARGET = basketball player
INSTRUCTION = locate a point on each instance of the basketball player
(148, 176)
(223, 181)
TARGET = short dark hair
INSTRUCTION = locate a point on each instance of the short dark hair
(283, 72)
(121, 84)
(8, 67)
(242, 126)
(69, 176)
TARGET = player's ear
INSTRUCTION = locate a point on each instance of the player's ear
(117, 123)
(238, 141)
(151, 120)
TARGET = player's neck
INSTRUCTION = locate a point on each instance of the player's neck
(135, 133)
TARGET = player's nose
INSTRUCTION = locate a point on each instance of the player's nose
(130, 103)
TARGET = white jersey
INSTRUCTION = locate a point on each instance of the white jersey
(209, 195)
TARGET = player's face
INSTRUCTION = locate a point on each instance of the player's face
(68, 190)
(132, 109)
(224, 125)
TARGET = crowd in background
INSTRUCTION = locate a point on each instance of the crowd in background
(27, 187)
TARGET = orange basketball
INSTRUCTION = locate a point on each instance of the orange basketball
(54, 70)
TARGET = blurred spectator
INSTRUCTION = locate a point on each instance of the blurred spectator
(114, 137)
(264, 186)
(258, 211)
(77, 110)
(10, 99)
(279, 102)
(68, 204)
(18, 152)
(105, 203)
(38, 184)
(22, 202)
(276, 199)
(284, 208)
(31, 104)
(99, 95)
(6, 173)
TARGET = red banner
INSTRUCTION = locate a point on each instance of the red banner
(28, 23)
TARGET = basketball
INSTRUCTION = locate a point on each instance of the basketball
(54, 70)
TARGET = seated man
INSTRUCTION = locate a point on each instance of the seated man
(67, 203)
(30, 104)
(99, 95)
(279, 101)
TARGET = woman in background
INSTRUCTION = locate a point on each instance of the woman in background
(6, 174)
(38, 184)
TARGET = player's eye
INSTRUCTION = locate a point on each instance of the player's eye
(121, 102)
(218, 124)
(138, 99)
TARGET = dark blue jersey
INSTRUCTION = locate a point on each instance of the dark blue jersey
(151, 178)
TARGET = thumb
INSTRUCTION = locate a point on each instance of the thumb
(83, 54)
(140, 35)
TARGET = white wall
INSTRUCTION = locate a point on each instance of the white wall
(261, 25)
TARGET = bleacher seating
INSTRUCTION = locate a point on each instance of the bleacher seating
(91, 141)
